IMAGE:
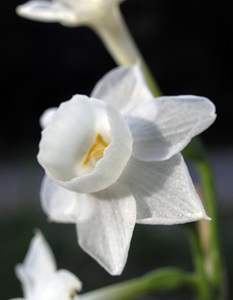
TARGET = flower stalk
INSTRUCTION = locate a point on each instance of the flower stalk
(203, 290)
(116, 37)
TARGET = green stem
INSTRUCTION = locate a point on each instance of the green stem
(203, 291)
(210, 243)
(161, 280)
(117, 39)
(214, 261)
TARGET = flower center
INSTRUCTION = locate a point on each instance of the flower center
(96, 150)
(73, 293)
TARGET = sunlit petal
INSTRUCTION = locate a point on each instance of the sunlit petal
(107, 225)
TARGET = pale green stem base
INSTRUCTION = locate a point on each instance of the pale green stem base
(213, 260)
(209, 243)
(203, 290)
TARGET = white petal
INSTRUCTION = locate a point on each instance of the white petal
(46, 11)
(70, 134)
(66, 137)
(164, 192)
(60, 285)
(106, 228)
(164, 126)
(60, 204)
(123, 87)
(38, 263)
(47, 116)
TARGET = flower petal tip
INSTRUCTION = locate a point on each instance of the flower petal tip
(207, 218)
(26, 10)
(19, 10)
(201, 217)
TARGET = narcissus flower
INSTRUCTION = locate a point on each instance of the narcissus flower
(113, 159)
(39, 278)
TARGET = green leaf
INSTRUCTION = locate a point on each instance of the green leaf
(164, 279)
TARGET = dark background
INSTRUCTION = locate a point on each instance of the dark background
(188, 46)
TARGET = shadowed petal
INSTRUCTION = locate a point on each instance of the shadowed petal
(124, 88)
(163, 127)
(38, 263)
(164, 192)
(59, 204)
(107, 225)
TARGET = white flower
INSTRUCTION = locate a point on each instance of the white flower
(39, 278)
(114, 159)
(67, 12)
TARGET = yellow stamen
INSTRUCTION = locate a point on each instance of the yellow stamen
(96, 150)
(73, 293)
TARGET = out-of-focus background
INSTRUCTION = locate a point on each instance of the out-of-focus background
(188, 46)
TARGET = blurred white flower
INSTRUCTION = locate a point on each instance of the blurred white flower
(114, 159)
(103, 16)
(67, 12)
(39, 278)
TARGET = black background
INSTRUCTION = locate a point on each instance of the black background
(187, 44)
